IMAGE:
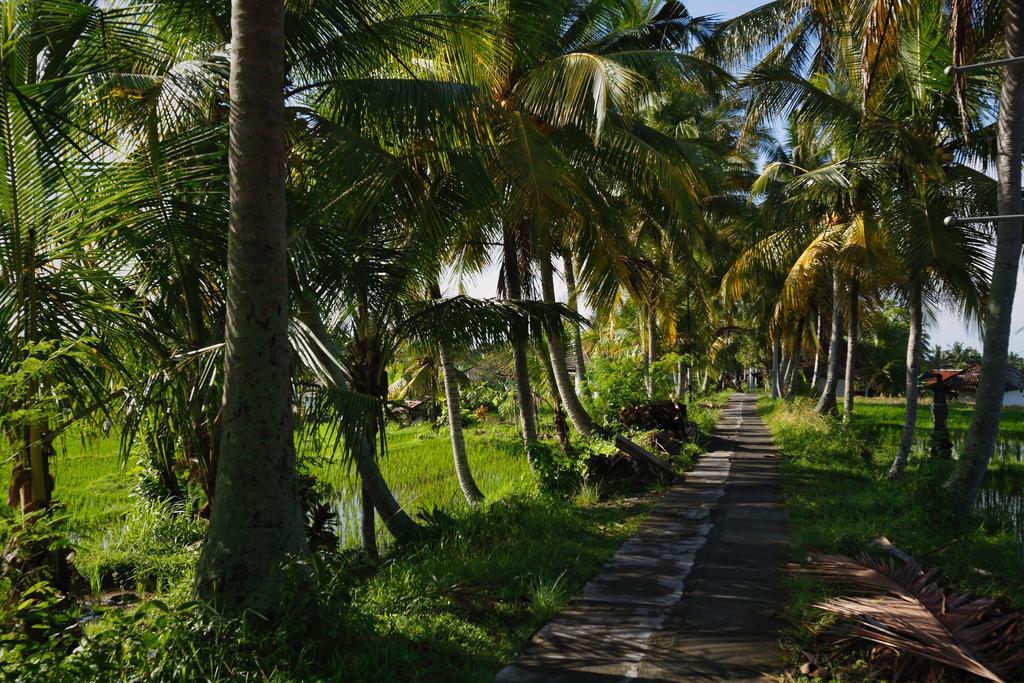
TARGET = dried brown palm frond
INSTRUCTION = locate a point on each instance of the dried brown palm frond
(925, 631)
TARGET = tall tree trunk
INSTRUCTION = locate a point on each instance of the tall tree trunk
(852, 330)
(576, 334)
(652, 348)
(776, 365)
(818, 329)
(451, 394)
(981, 436)
(558, 413)
(367, 524)
(827, 402)
(577, 414)
(899, 464)
(514, 291)
(256, 522)
(792, 377)
(395, 519)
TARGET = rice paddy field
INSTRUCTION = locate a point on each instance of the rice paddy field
(96, 488)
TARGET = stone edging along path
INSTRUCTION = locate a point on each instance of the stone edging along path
(694, 594)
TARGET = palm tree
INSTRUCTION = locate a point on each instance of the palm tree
(52, 134)
(256, 523)
(981, 435)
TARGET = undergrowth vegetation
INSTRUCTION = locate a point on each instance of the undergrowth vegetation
(453, 607)
(839, 501)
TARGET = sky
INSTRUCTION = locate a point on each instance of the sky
(944, 328)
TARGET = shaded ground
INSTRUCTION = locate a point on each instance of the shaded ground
(694, 595)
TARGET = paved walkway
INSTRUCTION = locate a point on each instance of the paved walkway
(694, 595)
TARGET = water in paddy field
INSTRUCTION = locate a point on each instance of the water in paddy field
(348, 508)
(1001, 500)
(1009, 449)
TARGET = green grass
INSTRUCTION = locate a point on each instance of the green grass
(839, 501)
(888, 412)
(419, 469)
(455, 607)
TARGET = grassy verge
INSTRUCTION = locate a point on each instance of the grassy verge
(704, 411)
(456, 607)
(839, 501)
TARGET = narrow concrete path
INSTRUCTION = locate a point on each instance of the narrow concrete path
(694, 595)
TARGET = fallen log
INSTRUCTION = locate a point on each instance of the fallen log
(643, 455)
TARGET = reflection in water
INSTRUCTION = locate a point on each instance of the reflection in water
(1003, 508)
(1009, 449)
(1002, 498)
(347, 507)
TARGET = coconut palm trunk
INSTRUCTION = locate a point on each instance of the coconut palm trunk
(576, 334)
(981, 435)
(256, 522)
(852, 330)
(367, 523)
(519, 340)
(899, 463)
(452, 399)
(652, 348)
(575, 411)
(776, 365)
(793, 376)
(827, 402)
(817, 374)
(373, 486)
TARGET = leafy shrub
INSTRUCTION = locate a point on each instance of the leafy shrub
(614, 383)
(37, 620)
(557, 472)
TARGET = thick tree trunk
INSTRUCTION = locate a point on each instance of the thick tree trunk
(776, 365)
(852, 330)
(577, 414)
(256, 523)
(899, 464)
(576, 333)
(981, 436)
(451, 394)
(514, 291)
(827, 402)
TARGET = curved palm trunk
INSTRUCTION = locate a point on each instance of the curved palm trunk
(981, 436)
(452, 399)
(852, 330)
(367, 524)
(256, 521)
(558, 413)
(899, 464)
(576, 336)
(373, 485)
(652, 349)
(793, 376)
(514, 291)
(818, 329)
(827, 402)
(577, 414)
(776, 365)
